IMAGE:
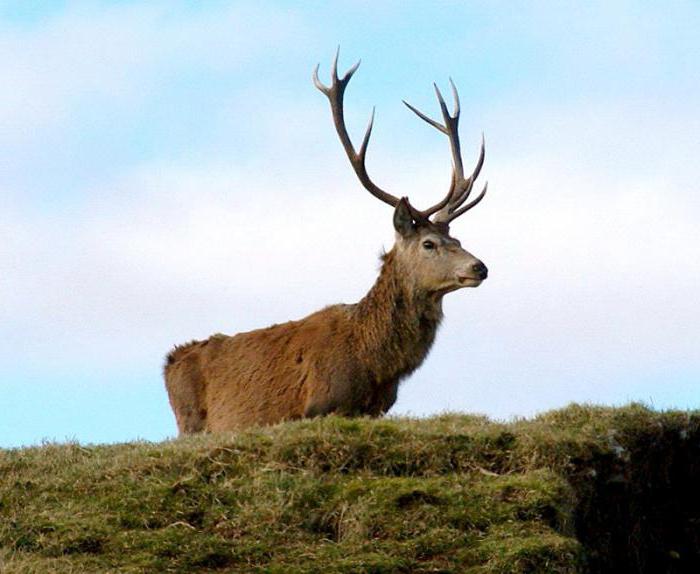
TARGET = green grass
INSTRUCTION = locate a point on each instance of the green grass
(583, 489)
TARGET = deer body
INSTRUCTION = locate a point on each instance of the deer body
(345, 359)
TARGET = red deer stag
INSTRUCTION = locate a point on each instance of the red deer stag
(345, 359)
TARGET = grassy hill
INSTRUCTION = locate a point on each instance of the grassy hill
(583, 489)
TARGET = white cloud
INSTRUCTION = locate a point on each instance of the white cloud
(121, 55)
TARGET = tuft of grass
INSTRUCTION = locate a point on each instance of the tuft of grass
(582, 489)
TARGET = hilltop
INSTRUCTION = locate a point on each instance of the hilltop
(582, 489)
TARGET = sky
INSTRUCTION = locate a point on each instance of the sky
(168, 171)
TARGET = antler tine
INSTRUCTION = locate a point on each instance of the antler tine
(453, 209)
(422, 116)
(469, 205)
(455, 97)
(472, 178)
(365, 140)
(335, 93)
(452, 124)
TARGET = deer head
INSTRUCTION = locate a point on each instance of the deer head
(428, 254)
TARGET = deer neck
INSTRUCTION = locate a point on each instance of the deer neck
(395, 323)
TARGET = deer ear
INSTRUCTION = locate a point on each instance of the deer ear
(403, 220)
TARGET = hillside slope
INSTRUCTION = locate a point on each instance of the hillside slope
(583, 489)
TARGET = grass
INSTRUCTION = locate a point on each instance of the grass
(583, 489)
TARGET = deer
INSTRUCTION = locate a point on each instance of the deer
(346, 359)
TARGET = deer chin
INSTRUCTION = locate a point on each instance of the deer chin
(457, 284)
(468, 282)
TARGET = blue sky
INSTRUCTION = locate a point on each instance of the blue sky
(167, 171)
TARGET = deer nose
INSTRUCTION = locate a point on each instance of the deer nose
(480, 269)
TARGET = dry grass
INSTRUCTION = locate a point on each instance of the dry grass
(449, 494)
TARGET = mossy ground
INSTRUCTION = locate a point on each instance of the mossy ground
(449, 494)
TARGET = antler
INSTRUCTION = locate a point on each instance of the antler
(335, 93)
(451, 205)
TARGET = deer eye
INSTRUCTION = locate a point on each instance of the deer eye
(427, 244)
